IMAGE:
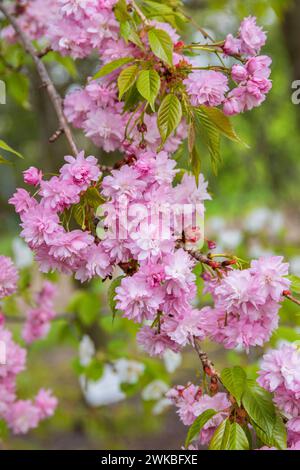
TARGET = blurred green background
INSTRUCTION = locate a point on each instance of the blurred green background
(255, 210)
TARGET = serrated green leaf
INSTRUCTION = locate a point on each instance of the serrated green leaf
(278, 438)
(210, 135)
(121, 12)
(237, 438)
(198, 424)
(259, 406)
(111, 66)
(234, 380)
(169, 116)
(79, 214)
(112, 293)
(127, 79)
(131, 99)
(93, 197)
(8, 148)
(221, 121)
(195, 164)
(148, 85)
(161, 45)
(220, 438)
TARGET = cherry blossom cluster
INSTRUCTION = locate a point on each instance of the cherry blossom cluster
(77, 28)
(280, 374)
(191, 402)
(20, 415)
(97, 110)
(38, 319)
(246, 303)
(74, 28)
(56, 248)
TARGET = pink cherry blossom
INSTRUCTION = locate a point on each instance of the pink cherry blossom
(252, 36)
(206, 87)
(33, 176)
(80, 171)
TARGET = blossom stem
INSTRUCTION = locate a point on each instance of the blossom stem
(207, 364)
(139, 12)
(45, 78)
(22, 319)
(289, 296)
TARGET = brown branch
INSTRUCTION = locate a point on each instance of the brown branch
(44, 75)
(288, 295)
(21, 319)
(207, 364)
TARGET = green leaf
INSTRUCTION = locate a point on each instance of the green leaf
(127, 79)
(229, 436)
(195, 163)
(198, 424)
(86, 305)
(5, 146)
(112, 293)
(221, 121)
(161, 45)
(93, 197)
(121, 12)
(131, 99)
(259, 406)
(210, 136)
(65, 61)
(234, 380)
(18, 88)
(278, 438)
(148, 84)
(237, 438)
(169, 116)
(111, 66)
(3, 161)
(220, 438)
(79, 214)
(3, 429)
(94, 370)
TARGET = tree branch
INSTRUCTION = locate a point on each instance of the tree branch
(289, 296)
(207, 364)
(21, 319)
(44, 75)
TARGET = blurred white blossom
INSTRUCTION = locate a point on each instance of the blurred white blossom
(172, 360)
(104, 391)
(129, 371)
(161, 406)
(86, 350)
(23, 256)
(155, 390)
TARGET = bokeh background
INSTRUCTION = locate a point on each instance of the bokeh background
(255, 210)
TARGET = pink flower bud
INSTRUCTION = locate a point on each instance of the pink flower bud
(239, 73)
(32, 176)
(232, 45)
